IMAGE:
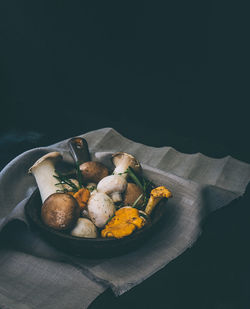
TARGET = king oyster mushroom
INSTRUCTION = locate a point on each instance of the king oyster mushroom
(122, 161)
(43, 171)
(84, 228)
(100, 208)
(113, 185)
(60, 211)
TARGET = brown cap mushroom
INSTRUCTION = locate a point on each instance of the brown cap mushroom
(93, 171)
(60, 211)
(132, 193)
(122, 161)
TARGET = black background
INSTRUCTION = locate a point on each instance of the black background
(161, 73)
(178, 66)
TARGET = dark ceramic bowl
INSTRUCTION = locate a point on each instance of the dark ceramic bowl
(91, 247)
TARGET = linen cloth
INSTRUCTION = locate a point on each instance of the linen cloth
(199, 185)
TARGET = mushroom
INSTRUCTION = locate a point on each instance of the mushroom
(156, 195)
(68, 187)
(93, 171)
(91, 186)
(84, 213)
(84, 228)
(122, 161)
(126, 220)
(60, 211)
(100, 208)
(43, 171)
(82, 197)
(132, 193)
(113, 185)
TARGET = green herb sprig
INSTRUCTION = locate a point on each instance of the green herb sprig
(65, 180)
(145, 184)
(137, 200)
(133, 176)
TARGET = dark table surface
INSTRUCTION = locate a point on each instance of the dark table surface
(166, 74)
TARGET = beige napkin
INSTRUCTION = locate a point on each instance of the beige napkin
(199, 185)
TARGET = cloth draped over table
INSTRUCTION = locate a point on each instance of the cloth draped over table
(199, 185)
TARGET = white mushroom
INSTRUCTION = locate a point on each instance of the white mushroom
(122, 161)
(43, 171)
(100, 208)
(113, 185)
(84, 228)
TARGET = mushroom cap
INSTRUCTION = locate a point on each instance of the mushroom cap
(132, 193)
(84, 228)
(118, 157)
(100, 208)
(51, 156)
(160, 192)
(111, 184)
(125, 222)
(93, 171)
(60, 211)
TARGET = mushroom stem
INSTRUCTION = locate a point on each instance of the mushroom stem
(152, 202)
(113, 185)
(156, 195)
(121, 169)
(116, 197)
(44, 171)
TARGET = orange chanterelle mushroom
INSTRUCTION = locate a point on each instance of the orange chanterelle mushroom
(82, 196)
(156, 195)
(125, 221)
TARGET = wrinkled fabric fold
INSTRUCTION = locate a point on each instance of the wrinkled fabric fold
(199, 185)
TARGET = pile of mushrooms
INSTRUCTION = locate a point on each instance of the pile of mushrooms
(101, 203)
